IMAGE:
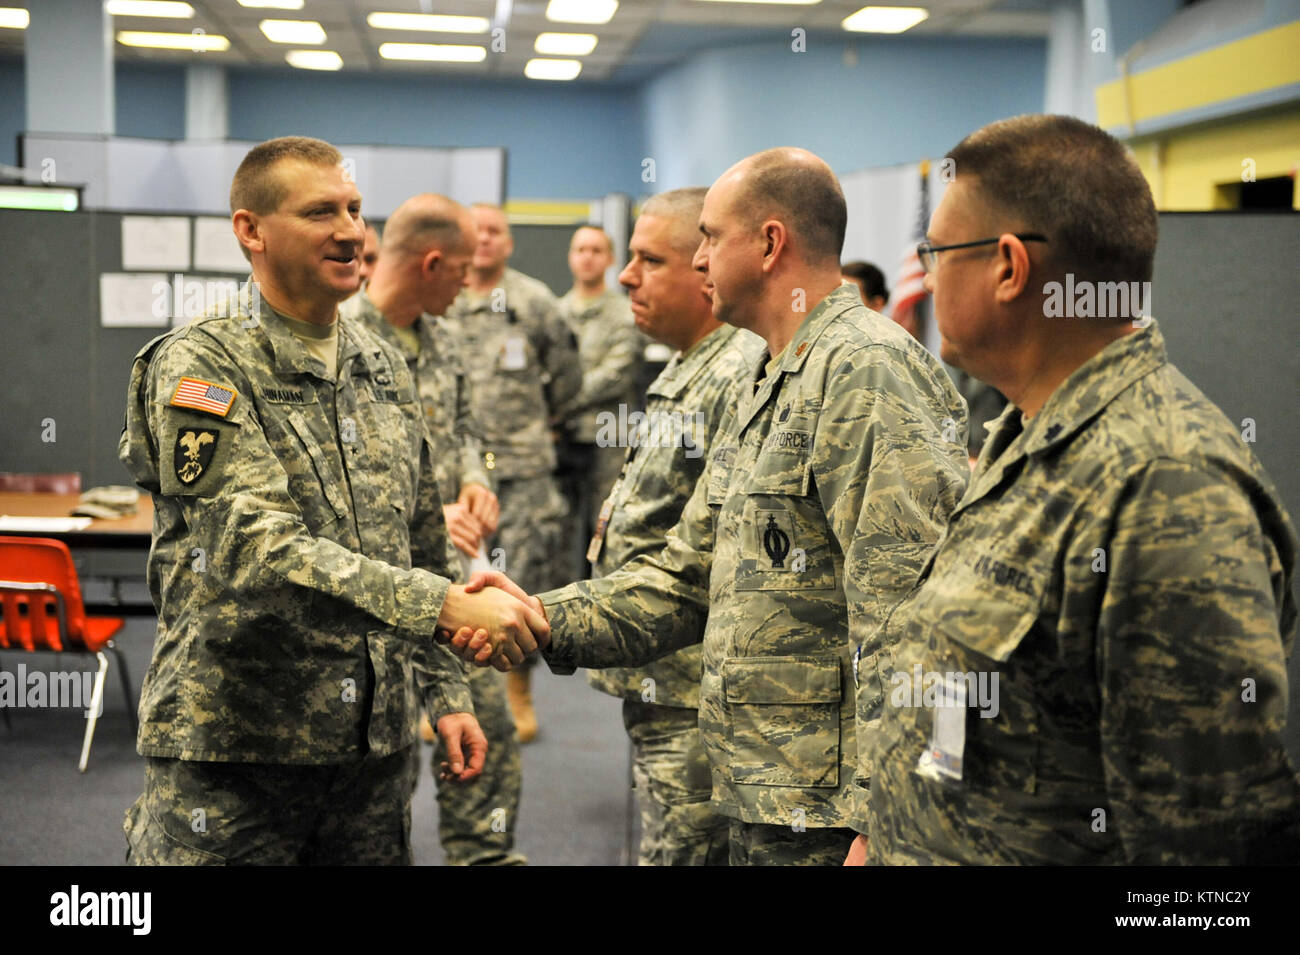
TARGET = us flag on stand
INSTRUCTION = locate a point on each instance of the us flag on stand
(909, 293)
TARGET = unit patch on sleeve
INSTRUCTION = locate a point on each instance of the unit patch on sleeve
(193, 452)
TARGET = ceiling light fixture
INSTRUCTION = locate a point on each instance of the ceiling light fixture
(581, 11)
(293, 31)
(565, 44)
(150, 8)
(434, 52)
(314, 59)
(536, 69)
(884, 19)
(430, 22)
(193, 42)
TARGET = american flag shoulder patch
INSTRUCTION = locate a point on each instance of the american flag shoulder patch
(204, 396)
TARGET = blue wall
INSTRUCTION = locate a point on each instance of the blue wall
(903, 100)
(149, 103)
(562, 142)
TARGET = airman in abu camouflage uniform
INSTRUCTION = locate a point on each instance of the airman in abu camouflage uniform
(421, 268)
(1092, 667)
(299, 559)
(826, 487)
(522, 360)
(666, 451)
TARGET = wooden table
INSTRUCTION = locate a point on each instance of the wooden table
(134, 532)
(123, 533)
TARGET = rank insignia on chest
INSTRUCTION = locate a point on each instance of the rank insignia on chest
(193, 452)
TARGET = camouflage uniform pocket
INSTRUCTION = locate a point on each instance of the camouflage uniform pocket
(149, 843)
(783, 720)
(1002, 723)
(784, 538)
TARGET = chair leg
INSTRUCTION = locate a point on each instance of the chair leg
(126, 686)
(96, 704)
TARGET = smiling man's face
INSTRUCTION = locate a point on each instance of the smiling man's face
(313, 240)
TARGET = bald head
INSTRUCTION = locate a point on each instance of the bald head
(428, 221)
(798, 189)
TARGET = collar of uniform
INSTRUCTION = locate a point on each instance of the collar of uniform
(797, 350)
(805, 336)
(1094, 385)
(291, 357)
(688, 365)
(351, 346)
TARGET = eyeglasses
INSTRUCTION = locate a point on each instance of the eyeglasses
(925, 251)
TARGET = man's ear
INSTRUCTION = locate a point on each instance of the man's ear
(774, 242)
(429, 264)
(247, 229)
(1012, 269)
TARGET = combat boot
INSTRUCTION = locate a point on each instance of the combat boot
(520, 697)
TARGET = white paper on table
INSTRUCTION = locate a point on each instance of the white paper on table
(52, 525)
(156, 242)
(215, 247)
(134, 300)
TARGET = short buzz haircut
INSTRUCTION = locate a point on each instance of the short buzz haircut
(256, 187)
(1071, 181)
(609, 243)
(683, 207)
(872, 279)
(423, 222)
(805, 196)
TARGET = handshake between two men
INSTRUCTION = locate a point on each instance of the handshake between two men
(492, 621)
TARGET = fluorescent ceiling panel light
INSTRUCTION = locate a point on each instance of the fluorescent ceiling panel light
(430, 22)
(194, 42)
(293, 31)
(565, 44)
(434, 52)
(884, 19)
(581, 11)
(272, 4)
(314, 59)
(14, 18)
(536, 69)
(150, 8)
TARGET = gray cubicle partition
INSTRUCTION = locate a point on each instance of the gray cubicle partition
(1225, 286)
(1225, 293)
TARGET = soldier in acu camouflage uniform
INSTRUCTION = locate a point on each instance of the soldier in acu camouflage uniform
(610, 349)
(827, 485)
(1121, 564)
(299, 555)
(665, 456)
(422, 265)
(523, 366)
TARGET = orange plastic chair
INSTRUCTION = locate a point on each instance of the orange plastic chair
(43, 611)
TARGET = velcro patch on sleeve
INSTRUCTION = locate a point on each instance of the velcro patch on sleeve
(204, 396)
